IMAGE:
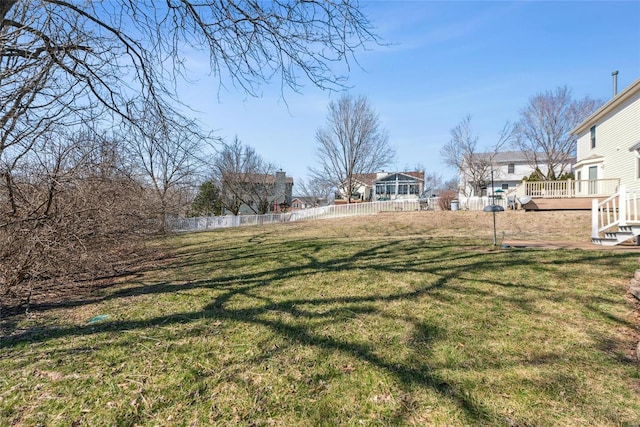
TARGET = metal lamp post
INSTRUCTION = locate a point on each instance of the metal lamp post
(493, 208)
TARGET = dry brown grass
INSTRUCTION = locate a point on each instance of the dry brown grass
(552, 226)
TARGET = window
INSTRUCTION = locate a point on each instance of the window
(505, 186)
(593, 136)
(403, 189)
(391, 189)
(511, 168)
(579, 179)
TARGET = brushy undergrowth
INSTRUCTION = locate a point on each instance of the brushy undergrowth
(361, 322)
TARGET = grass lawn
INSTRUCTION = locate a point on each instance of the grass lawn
(379, 320)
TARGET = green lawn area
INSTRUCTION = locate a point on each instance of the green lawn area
(369, 321)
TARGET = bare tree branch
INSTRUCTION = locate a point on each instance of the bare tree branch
(461, 152)
(244, 178)
(543, 131)
(71, 68)
(352, 142)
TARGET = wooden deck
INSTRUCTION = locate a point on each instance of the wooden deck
(577, 203)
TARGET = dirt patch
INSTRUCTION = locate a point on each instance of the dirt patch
(126, 262)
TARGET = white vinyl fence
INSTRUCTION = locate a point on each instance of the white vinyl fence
(177, 224)
(478, 203)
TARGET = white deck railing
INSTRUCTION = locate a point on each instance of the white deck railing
(619, 210)
(572, 188)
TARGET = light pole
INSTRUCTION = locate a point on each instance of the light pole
(493, 208)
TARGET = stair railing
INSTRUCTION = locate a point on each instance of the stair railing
(609, 213)
(633, 210)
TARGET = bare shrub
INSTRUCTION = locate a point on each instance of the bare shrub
(64, 216)
(445, 199)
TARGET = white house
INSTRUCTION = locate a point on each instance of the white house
(608, 151)
(385, 186)
(399, 185)
(608, 146)
(253, 191)
(509, 169)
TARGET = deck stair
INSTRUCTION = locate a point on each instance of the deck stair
(616, 219)
(612, 238)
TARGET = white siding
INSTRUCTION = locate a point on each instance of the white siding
(615, 134)
(501, 176)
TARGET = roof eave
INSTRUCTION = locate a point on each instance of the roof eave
(614, 102)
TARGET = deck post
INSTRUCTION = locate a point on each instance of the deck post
(594, 219)
(622, 207)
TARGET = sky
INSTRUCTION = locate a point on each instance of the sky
(440, 61)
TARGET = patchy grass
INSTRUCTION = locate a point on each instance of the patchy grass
(381, 320)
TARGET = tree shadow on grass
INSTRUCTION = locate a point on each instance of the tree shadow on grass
(445, 266)
(408, 376)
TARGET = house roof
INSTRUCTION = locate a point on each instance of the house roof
(255, 178)
(307, 200)
(595, 158)
(607, 108)
(369, 179)
(635, 146)
(415, 174)
(511, 157)
(419, 176)
(505, 157)
(366, 178)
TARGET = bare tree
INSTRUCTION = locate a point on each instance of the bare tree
(65, 60)
(64, 63)
(85, 65)
(351, 143)
(543, 131)
(450, 184)
(168, 159)
(432, 184)
(245, 178)
(461, 153)
(318, 188)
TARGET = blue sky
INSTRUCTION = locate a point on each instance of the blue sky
(443, 60)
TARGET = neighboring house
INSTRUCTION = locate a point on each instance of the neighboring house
(510, 168)
(386, 186)
(608, 147)
(255, 190)
(362, 188)
(299, 202)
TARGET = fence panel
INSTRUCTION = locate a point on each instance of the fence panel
(178, 224)
(477, 203)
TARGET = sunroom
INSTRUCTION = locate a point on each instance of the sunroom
(398, 186)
